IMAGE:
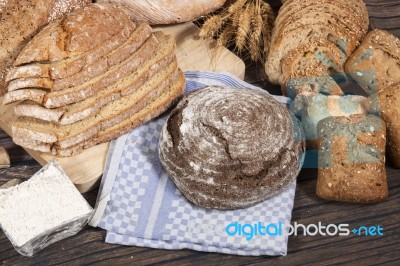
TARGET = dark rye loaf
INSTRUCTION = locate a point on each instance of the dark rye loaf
(229, 148)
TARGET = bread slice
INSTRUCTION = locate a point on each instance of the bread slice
(121, 53)
(316, 59)
(376, 63)
(89, 88)
(164, 93)
(288, 41)
(90, 106)
(168, 97)
(110, 114)
(22, 83)
(80, 32)
(35, 95)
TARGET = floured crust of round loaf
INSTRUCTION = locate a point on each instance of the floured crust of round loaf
(375, 65)
(229, 148)
(153, 109)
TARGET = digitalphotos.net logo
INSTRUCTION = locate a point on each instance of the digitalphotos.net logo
(249, 231)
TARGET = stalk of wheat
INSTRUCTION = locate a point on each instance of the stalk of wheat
(246, 24)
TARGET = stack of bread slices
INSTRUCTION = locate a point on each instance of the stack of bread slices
(90, 78)
(313, 38)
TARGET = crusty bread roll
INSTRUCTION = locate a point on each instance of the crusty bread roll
(352, 159)
(166, 11)
(229, 148)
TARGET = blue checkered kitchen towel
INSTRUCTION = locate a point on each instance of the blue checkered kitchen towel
(139, 205)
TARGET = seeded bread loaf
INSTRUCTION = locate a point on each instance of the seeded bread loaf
(228, 148)
(386, 103)
(312, 108)
(288, 41)
(318, 58)
(299, 23)
(15, 30)
(352, 159)
(376, 63)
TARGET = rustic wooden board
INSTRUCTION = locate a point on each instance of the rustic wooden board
(193, 53)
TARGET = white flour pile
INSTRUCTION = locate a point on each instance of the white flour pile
(44, 202)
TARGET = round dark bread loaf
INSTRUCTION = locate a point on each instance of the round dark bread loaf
(229, 148)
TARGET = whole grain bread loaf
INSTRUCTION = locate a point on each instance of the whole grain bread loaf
(318, 58)
(386, 103)
(228, 148)
(312, 108)
(15, 30)
(351, 159)
(376, 63)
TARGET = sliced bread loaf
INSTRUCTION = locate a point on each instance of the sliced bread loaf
(23, 19)
(350, 10)
(376, 63)
(288, 41)
(316, 59)
(89, 88)
(110, 114)
(145, 109)
(90, 106)
(325, 14)
(152, 110)
(81, 31)
(78, 69)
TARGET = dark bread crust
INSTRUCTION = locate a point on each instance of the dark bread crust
(229, 148)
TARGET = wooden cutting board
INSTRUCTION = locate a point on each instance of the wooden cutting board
(193, 53)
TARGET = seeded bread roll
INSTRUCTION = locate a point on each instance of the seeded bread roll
(352, 159)
(229, 148)
(386, 103)
(375, 65)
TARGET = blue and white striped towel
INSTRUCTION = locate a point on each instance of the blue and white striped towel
(139, 205)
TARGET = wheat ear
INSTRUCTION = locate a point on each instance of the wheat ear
(233, 8)
(211, 27)
(243, 29)
(256, 32)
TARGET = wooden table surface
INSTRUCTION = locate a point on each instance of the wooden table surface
(88, 246)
